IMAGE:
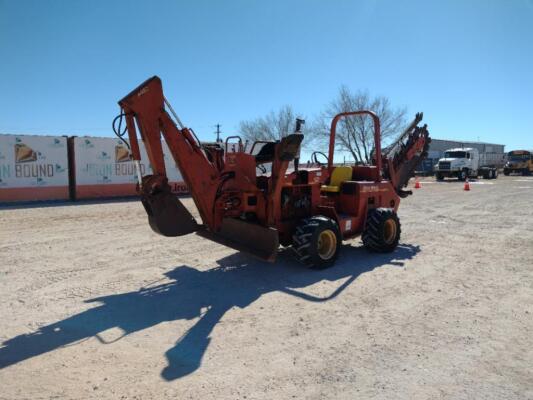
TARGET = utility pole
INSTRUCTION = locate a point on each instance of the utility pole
(218, 133)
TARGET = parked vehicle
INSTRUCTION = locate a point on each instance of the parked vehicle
(313, 209)
(468, 162)
(519, 161)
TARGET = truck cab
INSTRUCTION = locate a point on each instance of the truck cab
(460, 162)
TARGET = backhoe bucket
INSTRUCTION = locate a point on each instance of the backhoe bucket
(167, 215)
(253, 239)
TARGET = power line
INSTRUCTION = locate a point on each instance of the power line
(218, 133)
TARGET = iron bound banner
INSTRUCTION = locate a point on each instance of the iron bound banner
(33, 168)
(104, 168)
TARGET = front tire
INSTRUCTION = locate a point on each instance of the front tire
(382, 230)
(463, 175)
(439, 177)
(317, 242)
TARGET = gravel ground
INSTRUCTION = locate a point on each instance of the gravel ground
(96, 306)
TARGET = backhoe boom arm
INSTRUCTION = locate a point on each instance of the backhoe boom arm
(144, 107)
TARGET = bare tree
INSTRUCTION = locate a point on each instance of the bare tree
(355, 134)
(273, 126)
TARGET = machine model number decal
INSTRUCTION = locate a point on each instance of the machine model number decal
(374, 189)
(142, 91)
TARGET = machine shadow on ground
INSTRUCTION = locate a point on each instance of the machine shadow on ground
(237, 281)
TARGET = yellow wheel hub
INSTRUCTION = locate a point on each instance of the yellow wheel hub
(327, 244)
(389, 231)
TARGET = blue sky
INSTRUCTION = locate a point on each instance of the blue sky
(468, 65)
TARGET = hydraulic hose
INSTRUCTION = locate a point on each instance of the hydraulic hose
(117, 128)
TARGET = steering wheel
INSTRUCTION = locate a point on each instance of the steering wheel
(314, 158)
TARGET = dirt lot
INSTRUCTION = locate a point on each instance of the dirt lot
(94, 305)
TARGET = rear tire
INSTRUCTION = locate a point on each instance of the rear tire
(506, 172)
(382, 230)
(317, 242)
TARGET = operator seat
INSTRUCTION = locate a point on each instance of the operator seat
(339, 175)
(266, 153)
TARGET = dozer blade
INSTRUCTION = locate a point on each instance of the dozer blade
(167, 215)
(253, 239)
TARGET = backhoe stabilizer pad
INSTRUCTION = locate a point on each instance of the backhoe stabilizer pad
(256, 240)
(167, 215)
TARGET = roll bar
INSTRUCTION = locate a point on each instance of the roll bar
(377, 137)
(228, 142)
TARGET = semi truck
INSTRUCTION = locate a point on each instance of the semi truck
(468, 162)
(519, 161)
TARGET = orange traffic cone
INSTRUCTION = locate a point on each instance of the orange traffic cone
(467, 185)
(417, 183)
